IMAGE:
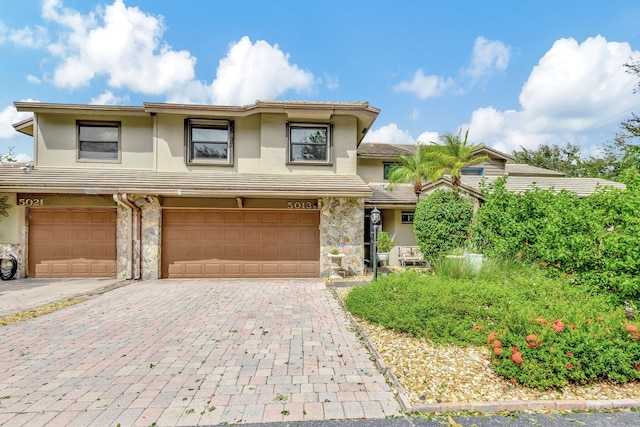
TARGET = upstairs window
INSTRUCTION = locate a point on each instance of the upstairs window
(99, 141)
(309, 143)
(209, 141)
(387, 169)
(472, 171)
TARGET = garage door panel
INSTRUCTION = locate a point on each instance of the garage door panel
(245, 244)
(72, 242)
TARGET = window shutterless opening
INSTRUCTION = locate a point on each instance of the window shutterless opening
(209, 141)
(309, 143)
(99, 141)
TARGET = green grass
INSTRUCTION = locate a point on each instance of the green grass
(462, 310)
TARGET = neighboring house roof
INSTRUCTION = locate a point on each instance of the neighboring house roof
(517, 184)
(493, 153)
(382, 197)
(521, 169)
(374, 150)
(108, 181)
(445, 182)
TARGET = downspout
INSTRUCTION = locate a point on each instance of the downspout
(119, 201)
(138, 241)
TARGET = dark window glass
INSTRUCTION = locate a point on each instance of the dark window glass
(387, 169)
(98, 142)
(472, 171)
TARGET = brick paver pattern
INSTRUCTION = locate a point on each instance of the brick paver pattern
(189, 352)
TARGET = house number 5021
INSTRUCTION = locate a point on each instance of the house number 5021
(30, 202)
(301, 205)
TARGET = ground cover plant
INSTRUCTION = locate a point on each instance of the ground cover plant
(542, 332)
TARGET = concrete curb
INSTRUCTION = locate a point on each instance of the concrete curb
(496, 406)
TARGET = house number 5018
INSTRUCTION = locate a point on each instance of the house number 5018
(301, 205)
(30, 202)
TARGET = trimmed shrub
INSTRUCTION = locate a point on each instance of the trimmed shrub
(441, 222)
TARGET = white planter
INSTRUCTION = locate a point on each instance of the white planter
(336, 266)
(383, 256)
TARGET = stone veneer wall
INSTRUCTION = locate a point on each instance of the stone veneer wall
(123, 243)
(151, 234)
(342, 223)
(18, 251)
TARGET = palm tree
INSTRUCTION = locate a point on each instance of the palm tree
(452, 155)
(414, 168)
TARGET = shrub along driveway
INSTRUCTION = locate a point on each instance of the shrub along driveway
(186, 352)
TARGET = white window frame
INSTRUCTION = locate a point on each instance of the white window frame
(204, 123)
(329, 143)
(80, 124)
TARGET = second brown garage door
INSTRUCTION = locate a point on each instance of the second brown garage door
(75, 242)
(240, 243)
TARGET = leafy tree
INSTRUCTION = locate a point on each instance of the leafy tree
(416, 168)
(8, 157)
(560, 159)
(453, 154)
(441, 222)
(632, 125)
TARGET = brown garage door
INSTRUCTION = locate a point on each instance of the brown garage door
(74, 242)
(240, 243)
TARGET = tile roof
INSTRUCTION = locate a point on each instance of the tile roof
(378, 150)
(401, 195)
(109, 181)
(581, 186)
(513, 169)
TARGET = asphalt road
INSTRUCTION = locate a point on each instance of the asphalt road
(589, 419)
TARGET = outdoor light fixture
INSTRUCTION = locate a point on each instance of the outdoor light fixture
(375, 220)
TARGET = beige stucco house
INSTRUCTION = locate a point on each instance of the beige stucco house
(167, 190)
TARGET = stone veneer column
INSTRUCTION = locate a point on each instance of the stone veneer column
(151, 234)
(342, 223)
(123, 243)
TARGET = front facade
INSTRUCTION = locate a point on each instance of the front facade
(168, 190)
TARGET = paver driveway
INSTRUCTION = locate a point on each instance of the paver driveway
(186, 352)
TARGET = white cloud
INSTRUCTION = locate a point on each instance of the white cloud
(425, 86)
(574, 89)
(389, 134)
(253, 71)
(8, 117)
(108, 98)
(33, 79)
(23, 158)
(332, 81)
(120, 42)
(24, 37)
(427, 137)
(488, 55)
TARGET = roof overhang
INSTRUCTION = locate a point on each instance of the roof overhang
(295, 110)
(25, 126)
(195, 184)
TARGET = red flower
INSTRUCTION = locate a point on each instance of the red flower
(572, 326)
(490, 338)
(532, 338)
(633, 329)
(513, 350)
(517, 357)
(497, 351)
(541, 320)
(569, 354)
(558, 325)
(532, 344)
(569, 366)
(478, 328)
(637, 367)
(539, 344)
(497, 343)
(600, 319)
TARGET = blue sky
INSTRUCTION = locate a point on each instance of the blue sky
(516, 73)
